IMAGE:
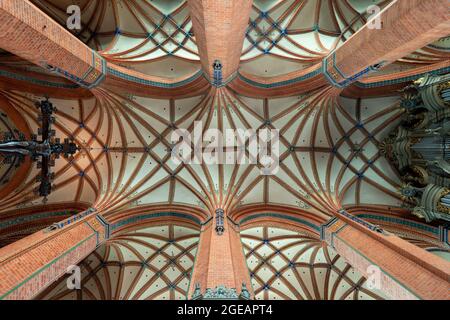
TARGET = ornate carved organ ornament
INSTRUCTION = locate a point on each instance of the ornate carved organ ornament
(420, 147)
(221, 293)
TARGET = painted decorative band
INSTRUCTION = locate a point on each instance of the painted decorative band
(34, 217)
(135, 79)
(403, 79)
(280, 216)
(280, 83)
(152, 216)
(412, 224)
(40, 82)
(330, 61)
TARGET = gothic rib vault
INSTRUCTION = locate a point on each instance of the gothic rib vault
(149, 72)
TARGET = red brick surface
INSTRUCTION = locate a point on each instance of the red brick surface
(407, 271)
(406, 26)
(32, 263)
(32, 35)
(220, 260)
(219, 28)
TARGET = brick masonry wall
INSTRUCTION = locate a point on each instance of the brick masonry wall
(220, 260)
(402, 277)
(241, 272)
(200, 270)
(221, 269)
(31, 264)
(30, 34)
(219, 28)
(406, 26)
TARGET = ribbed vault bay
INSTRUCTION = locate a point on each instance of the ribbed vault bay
(157, 37)
(290, 265)
(140, 263)
(329, 153)
(363, 123)
(156, 262)
(153, 37)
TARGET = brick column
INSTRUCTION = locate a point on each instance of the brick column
(31, 264)
(406, 25)
(219, 28)
(30, 34)
(220, 260)
(401, 269)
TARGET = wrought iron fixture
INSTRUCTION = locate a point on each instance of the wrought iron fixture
(220, 222)
(43, 151)
(217, 73)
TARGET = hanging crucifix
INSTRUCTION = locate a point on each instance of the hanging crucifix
(43, 151)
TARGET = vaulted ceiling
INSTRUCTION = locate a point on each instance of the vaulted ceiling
(283, 36)
(155, 262)
(329, 147)
(145, 263)
(157, 38)
(329, 153)
(289, 265)
(154, 37)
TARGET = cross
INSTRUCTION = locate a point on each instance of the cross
(43, 151)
